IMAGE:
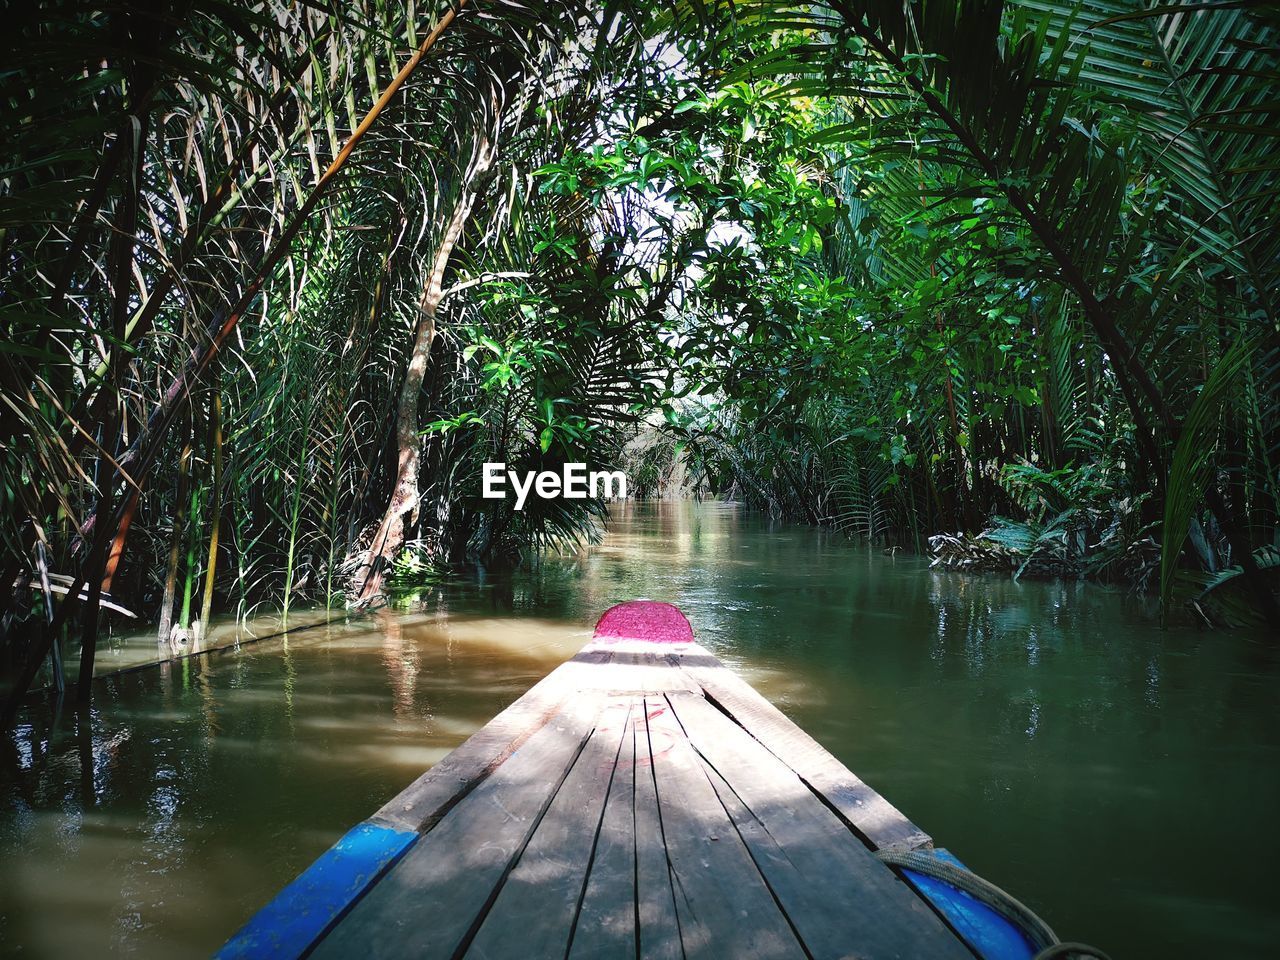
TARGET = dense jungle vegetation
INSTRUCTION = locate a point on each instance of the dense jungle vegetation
(278, 277)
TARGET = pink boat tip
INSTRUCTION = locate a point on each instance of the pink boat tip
(644, 620)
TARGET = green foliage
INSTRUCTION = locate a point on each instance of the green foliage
(1192, 462)
(1223, 597)
(1000, 268)
(1034, 210)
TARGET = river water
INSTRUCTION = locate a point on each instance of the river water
(1120, 779)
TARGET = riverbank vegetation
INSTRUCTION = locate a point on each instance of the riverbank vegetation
(280, 278)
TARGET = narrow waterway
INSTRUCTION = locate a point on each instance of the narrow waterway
(1046, 733)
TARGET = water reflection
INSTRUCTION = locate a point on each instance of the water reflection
(1046, 732)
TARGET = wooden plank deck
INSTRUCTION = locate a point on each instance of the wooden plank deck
(641, 801)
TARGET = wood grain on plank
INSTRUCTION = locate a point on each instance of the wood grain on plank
(606, 922)
(839, 898)
(534, 912)
(434, 899)
(724, 907)
(658, 935)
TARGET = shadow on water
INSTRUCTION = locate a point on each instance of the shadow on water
(1047, 733)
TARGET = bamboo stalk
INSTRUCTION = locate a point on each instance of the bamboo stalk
(294, 513)
(189, 574)
(175, 545)
(215, 519)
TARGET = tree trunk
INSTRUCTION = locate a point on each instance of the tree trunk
(389, 538)
(134, 133)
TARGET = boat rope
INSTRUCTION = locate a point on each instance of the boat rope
(1015, 911)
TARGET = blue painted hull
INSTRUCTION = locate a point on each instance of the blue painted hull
(987, 932)
(302, 912)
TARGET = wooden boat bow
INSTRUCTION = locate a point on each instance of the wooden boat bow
(641, 800)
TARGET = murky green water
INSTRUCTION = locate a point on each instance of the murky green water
(1120, 779)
